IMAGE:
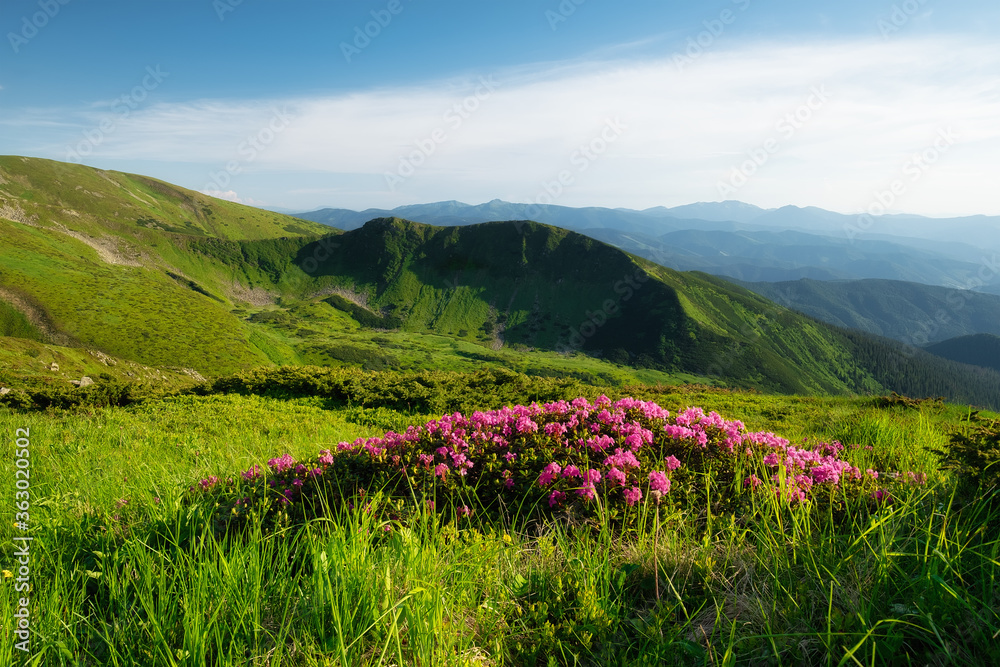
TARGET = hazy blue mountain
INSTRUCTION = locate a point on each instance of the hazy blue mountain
(977, 350)
(734, 211)
(909, 312)
(979, 230)
(453, 213)
(773, 256)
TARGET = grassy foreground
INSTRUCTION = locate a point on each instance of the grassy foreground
(126, 568)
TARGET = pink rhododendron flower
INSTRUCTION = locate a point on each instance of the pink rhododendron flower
(659, 482)
(672, 462)
(617, 476)
(549, 473)
(633, 495)
(282, 464)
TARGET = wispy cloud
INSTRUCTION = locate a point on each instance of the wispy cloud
(686, 129)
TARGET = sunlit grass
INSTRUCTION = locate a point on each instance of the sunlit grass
(147, 581)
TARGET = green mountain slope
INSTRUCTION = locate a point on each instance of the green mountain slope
(102, 259)
(162, 276)
(539, 286)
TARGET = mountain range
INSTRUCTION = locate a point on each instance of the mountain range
(136, 269)
(745, 242)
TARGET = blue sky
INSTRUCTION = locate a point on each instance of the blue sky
(576, 102)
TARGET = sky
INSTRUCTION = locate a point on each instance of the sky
(301, 104)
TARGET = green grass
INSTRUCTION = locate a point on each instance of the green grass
(146, 581)
(13, 323)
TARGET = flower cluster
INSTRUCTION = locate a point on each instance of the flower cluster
(562, 453)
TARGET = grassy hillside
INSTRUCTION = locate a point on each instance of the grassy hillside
(527, 285)
(162, 276)
(101, 259)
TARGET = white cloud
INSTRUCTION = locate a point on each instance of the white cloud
(230, 195)
(686, 129)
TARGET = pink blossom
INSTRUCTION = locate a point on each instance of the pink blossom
(548, 473)
(633, 495)
(617, 476)
(672, 462)
(658, 481)
(882, 497)
(282, 464)
(622, 459)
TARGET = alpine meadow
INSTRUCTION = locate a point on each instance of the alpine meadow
(710, 378)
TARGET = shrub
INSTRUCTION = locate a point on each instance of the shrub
(573, 459)
(974, 457)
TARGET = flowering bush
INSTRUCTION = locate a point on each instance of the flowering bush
(562, 456)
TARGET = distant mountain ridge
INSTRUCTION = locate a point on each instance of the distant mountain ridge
(749, 243)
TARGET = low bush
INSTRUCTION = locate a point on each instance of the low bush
(582, 461)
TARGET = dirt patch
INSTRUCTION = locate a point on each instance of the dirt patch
(257, 296)
(38, 318)
(109, 249)
(357, 298)
(15, 214)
